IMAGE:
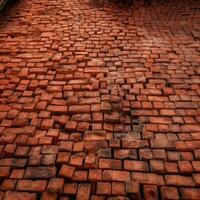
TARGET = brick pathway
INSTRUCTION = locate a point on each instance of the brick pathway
(100, 100)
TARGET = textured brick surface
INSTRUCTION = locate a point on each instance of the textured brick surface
(99, 100)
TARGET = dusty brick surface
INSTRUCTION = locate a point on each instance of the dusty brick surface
(100, 100)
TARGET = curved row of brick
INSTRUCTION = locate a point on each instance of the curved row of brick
(100, 100)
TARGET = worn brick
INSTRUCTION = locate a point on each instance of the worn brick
(55, 185)
(169, 193)
(178, 180)
(113, 175)
(12, 195)
(33, 186)
(66, 171)
(40, 172)
(104, 188)
(83, 192)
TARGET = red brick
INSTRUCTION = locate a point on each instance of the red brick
(13, 162)
(8, 184)
(113, 175)
(57, 109)
(4, 172)
(33, 186)
(92, 145)
(145, 154)
(147, 178)
(66, 146)
(157, 166)
(48, 160)
(63, 157)
(79, 109)
(114, 143)
(96, 197)
(95, 175)
(190, 193)
(78, 147)
(55, 185)
(178, 180)
(94, 135)
(48, 196)
(13, 195)
(83, 192)
(110, 164)
(159, 154)
(17, 173)
(70, 188)
(160, 120)
(41, 105)
(171, 167)
(169, 193)
(131, 165)
(47, 123)
(26, 130)
(7, 139)
(53, 133)
(125, 154)
(118, 188)
(150, 192)
(22, 151)
(77, 159)
(133, 188)
(40, 172)
(80, 175)
(185, 167)
(71, 125)
(104, 188)
(66, 171)
(135, 143)
(83, 126)
(162, 143)
(190, 128)
(196, 166)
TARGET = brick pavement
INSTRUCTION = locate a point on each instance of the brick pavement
(100, 100)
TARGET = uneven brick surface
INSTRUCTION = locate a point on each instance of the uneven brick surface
(100, 100)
